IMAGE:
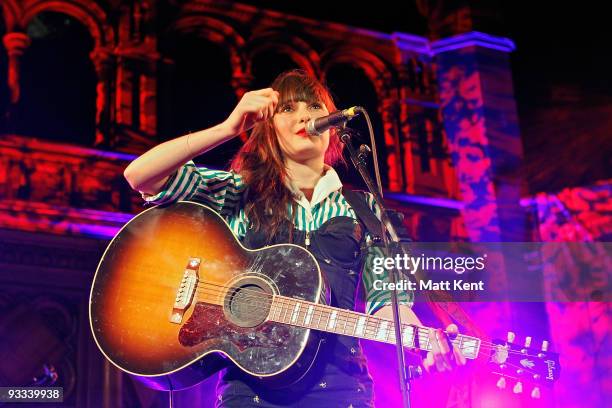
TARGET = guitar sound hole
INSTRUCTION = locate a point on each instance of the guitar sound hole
(248, 303)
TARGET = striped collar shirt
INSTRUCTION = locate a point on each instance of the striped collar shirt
(223, 191)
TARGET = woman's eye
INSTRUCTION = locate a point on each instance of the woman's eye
(286, 108)
(316, 106)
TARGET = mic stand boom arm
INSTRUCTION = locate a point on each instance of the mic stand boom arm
(391, 241)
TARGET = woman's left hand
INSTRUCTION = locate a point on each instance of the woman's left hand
(444, 356)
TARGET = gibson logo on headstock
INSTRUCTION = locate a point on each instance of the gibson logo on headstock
(551, 368)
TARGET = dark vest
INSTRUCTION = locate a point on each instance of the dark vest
(337, 246)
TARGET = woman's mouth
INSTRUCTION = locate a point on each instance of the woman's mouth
(302, 133)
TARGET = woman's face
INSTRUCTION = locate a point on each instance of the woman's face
(290, 122)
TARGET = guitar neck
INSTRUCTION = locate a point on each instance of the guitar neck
(329, 319)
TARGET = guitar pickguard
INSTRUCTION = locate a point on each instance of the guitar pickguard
(208, 322)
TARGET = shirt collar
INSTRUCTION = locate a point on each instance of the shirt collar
(326, 185)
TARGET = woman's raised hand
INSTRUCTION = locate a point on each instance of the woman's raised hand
(254, 106)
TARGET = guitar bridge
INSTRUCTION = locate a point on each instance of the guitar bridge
(186, 290)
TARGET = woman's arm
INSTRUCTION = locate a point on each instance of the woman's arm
(149, 172)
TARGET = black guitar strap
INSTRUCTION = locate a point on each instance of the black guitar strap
(357, 200)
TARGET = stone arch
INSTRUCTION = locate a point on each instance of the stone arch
(218, 32)
(383, 80)
(381, 75)
(88, 13)
(66, 109)
(212, 28)
(11, 12)
(296, 48)
(226, 44)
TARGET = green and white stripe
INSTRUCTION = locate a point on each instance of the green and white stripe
(223, 191)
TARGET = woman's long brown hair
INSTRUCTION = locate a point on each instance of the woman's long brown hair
(261, 161)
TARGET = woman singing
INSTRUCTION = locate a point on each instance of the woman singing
(281, 188)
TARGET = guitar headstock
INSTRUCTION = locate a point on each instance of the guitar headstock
(524, 365)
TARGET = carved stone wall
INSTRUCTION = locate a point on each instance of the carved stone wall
(127, 62)
(59, 203)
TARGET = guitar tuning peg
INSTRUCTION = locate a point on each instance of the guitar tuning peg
(518, 388)
(535, 393)
(511, 337)
(527, 341)
(501, 383)
(545, 345)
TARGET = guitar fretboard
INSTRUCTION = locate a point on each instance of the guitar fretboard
(315, 316)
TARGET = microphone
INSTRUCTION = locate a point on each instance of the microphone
(315, 127)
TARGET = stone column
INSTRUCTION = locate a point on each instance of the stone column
(481, 123)
(241, 81)
(388, 109)
(148, 97)
(15, 44)
(479, 114)
(424, 161)
(123, 92)
(241, 84)
(102, 60)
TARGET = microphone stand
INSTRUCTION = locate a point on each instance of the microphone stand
(391, 241)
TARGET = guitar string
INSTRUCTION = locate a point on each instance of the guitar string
(342, 317)
(284, 299)
(423, 337)
(285, 310)
(347, 318)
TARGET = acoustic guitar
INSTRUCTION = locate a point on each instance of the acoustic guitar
(176, 297)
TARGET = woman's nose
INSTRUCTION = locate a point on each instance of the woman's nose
(304, 115)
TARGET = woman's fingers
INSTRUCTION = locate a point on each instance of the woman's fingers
(452, 330)
(446, 350)
(435, 351)
(459, 358)
(263, 105)
(256, 106)
(444, 356)
(263, 92)
(271, 108)
(428, 362)
(252, 108)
